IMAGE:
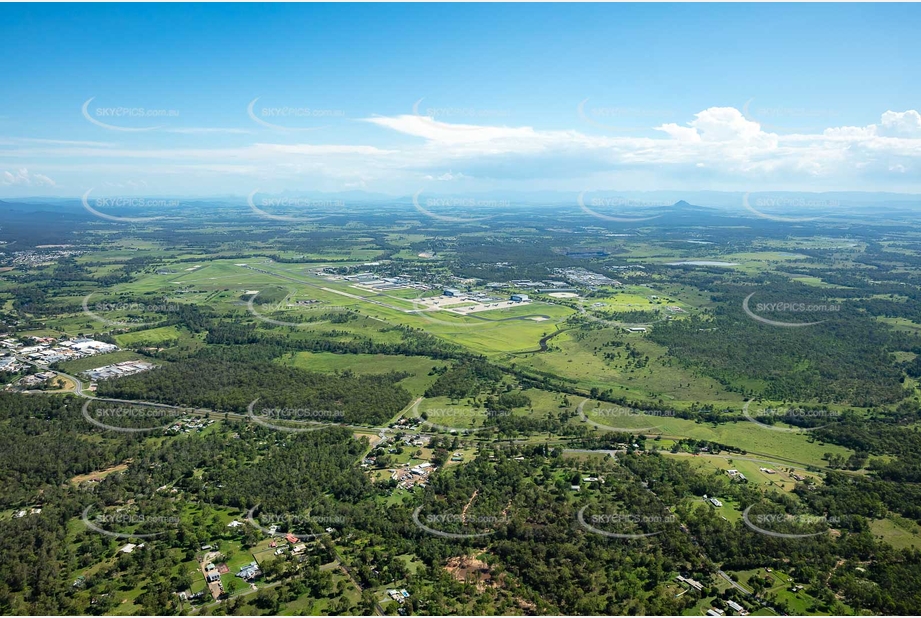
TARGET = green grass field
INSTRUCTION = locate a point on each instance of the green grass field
(898, 531)
(756, 440)
(149, 337)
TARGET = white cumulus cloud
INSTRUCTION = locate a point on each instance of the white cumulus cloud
(24, 178)
(903, 123)
(446, 177)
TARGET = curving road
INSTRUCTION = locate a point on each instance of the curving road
(543, 347)
(581, 411)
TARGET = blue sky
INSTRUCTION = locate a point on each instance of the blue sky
(227, 99)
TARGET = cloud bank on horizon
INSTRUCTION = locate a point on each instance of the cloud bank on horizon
(720, 146)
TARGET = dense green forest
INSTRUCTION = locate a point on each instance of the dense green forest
(843, 359)
(232, 386)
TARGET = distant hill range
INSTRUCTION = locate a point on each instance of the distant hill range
(668, 207)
